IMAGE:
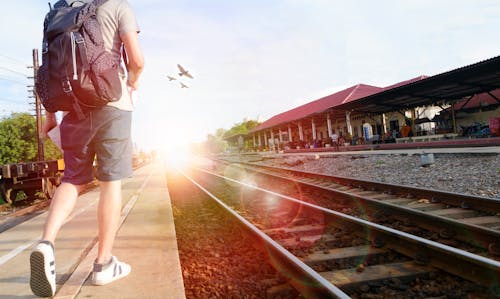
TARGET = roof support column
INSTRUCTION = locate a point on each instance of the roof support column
(301, 133)
(313, 127)
(348, 122)
(453, 118)
(265, 138)
(280, 136)
(329, 125)
(413, 121)
(272, 139)
(254, 143)
(290, 134)
(260, 140)
(384, 123)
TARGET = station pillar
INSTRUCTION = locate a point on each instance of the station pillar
(301, 133)
(329, 125)
(348, 122)
(272, 140)
(384, 123)
(313, 127)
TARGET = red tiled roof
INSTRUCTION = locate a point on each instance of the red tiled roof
(344, 96)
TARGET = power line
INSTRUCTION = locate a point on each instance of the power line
(13, 80)
(13, 71)
(12, 101)
(15, 59)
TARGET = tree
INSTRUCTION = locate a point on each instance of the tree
(216, 143)
(18, 140)
(241, 128)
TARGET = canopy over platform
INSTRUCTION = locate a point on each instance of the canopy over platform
(442, 88)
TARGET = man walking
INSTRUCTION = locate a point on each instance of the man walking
(103, 134)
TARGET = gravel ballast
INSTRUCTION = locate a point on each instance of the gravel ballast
(217, 257)
(473, 174)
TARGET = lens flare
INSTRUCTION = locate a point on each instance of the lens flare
(233, 171)
(179, 157)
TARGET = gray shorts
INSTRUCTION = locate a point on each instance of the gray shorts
(103, 135)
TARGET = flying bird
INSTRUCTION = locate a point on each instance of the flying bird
(170, 78)
(184, 85)
(183, 72)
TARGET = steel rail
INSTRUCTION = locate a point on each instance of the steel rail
(452, 260)
(308, 281)
(480, 236)
(456, 199)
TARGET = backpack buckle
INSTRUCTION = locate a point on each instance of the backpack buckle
(79, 39)
(66, 85)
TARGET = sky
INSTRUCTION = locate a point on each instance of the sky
(255, 59)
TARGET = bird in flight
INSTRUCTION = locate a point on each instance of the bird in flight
(170, 78)
(184, 85)
(183, 72)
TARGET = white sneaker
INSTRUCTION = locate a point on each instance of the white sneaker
(104, 274)
(43, 270)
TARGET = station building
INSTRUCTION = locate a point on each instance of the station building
(464, 102)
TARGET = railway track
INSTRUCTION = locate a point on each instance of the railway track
(445, 216)
(328, 254)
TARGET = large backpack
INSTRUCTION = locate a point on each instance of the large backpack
(77, 73)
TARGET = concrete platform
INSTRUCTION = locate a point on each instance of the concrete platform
(146, 240)
(490, 142)
(408, 151)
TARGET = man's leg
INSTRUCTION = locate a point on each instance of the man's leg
(108, 215)
(42, 261)
(61, 206)
(107, 268)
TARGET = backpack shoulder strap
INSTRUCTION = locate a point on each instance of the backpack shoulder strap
(98, 3)
(60, 4)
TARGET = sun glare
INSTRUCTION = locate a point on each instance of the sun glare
(177, 157)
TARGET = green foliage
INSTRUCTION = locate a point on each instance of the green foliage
(18, 140)
(216, 144)
(241, 128)
(219, 133)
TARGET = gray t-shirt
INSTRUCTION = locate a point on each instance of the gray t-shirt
(116, 18)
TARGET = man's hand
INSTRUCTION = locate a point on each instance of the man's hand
(135, 63)
(49, 124)
(132, 81)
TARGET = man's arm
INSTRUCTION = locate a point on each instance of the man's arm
(135, 58)
(50, 122)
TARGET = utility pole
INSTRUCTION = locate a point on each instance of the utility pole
(41, 153)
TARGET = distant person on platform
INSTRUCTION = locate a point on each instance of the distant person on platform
(104, 134)
(335, 141)
(405, 131)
